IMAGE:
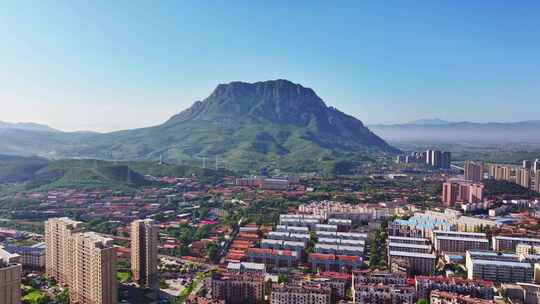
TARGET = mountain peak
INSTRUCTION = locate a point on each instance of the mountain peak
(277, 100)
(269, 89)
(266, 107)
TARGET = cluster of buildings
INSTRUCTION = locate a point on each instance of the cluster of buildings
(366, 286)
(236, 288)
(433, 158)
(469, 190)
(527, 176)
(462, 191)
(335, 248)
(423, 224)
(266, 183)
(339, 210)
(86, 262)
(32, 257)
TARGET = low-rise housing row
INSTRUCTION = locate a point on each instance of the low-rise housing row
(271, 257)
(331, 262)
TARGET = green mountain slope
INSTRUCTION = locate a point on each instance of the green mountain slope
(40, 174)
(246, 126)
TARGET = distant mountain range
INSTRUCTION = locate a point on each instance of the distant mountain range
(28, 126)
(436, 130)
(429, 121)
(271, 124)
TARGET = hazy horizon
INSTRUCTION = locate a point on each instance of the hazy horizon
(112, 66)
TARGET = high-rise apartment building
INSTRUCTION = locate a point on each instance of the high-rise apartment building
(85, 262)
(527, 164)
(59, 247)
(473, 171)
(498, 172)
(507, 173)
(144, 244)
(10, 278)
(523, 178)
(450, 193)
(94, 270)
(446, 160)
(438, 159)
(462, 191)
(433, 158)
(429, 157)
(536, 165)
(537, 181)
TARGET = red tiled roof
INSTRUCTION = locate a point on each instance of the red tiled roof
(321, 256)
(348, 258)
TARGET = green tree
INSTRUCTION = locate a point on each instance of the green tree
(212, 252)
(63, 297)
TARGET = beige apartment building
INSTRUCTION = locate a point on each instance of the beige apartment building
(94, 270)
(300, 294)
(144, 245)
(523, 178)
(537, 181)
(10, 278)
(85, 262)
(59, 247)
(474, 171)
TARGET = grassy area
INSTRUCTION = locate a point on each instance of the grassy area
(123, 276)
(35, 296)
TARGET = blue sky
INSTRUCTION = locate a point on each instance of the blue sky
(109, 65)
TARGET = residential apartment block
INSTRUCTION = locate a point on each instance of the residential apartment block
(474, 171)
(84, 261)
(237, 289)
(59, 247)
(331, 262)
(496, 267)
(272, 257)
(476, 288)
(457, 244)
(419, 263)
(10, 277)
(144, 244)
(93, 278)
(443, 297)
(381, 287)
(32, 257)
(300, 294)
(509, 243)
